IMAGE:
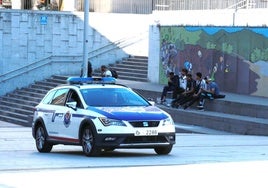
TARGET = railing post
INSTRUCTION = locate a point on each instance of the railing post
(85, 44)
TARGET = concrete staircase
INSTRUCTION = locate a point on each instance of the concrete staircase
(17, 107)
(132, 68)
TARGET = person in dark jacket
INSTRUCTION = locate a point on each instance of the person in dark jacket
(181, 84)
(199, 86)
(187, 94)
(172, 84)
(89, 69)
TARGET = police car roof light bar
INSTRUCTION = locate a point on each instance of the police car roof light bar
(91, 80)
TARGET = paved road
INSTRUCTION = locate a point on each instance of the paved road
(197, 160)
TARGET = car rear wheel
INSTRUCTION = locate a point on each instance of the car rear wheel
(163, 150)
(41, 140)
(88, 142)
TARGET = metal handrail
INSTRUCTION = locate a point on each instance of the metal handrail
(28, 68)
(243, 4)
(21, 70)
(121, 43)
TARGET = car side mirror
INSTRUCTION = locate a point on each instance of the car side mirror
(151, 101)
(72, 105)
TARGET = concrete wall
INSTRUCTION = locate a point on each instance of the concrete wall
(223, 18)
(27, 37)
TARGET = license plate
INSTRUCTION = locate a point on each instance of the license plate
(146, 132)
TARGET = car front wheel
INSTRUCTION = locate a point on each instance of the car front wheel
(88, 142)
(163, 150)
(41, 140)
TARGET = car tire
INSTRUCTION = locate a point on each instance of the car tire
(163, 150)
(41, 140)
(88, 142)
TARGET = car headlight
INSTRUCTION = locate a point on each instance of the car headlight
(168, 121)
(111, 122)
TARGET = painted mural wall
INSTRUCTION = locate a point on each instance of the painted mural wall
(235, 57)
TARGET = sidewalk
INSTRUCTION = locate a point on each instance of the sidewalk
(4, 124)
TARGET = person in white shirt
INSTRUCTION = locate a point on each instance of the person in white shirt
(105, 72)
(182, 82)
(200, 86)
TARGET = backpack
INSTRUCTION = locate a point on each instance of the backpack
(114, 73)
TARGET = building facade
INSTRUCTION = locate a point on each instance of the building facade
(133, 7)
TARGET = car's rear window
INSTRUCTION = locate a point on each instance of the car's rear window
(112, 97)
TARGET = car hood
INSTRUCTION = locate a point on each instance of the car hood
(131, 113)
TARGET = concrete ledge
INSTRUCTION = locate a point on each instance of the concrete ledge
(220, 121)
(239, 114)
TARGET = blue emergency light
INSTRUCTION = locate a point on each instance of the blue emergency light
(91, 80)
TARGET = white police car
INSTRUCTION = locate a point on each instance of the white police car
(100, 116)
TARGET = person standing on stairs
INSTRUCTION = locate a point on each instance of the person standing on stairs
(89, 69)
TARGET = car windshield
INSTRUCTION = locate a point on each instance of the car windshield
(112, 97)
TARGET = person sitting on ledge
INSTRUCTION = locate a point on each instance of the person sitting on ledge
(172, 84)
(212, 92)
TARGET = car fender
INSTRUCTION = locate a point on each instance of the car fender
(86, 122)
(38, 121)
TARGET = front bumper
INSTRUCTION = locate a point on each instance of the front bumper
(131, 141)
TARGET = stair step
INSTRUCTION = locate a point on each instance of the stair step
(24, 97)
(185, 128)
(13, 109)
(56, 81)
(131, 69)
(60, 78)
(234, 107)
(132, 72)
(128, 62)
(41, 86)
(224, 122)
(19, 101)
(136, 59)
(29, 93)
(133, 78)
(17, 121)
(46, 83)
(130, 66)
(17, 105)
(13, 114)
(36, 90)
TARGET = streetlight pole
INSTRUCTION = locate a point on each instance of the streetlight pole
(85, 44)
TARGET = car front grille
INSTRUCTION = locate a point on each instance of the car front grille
(144, 123)
(146, 139)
